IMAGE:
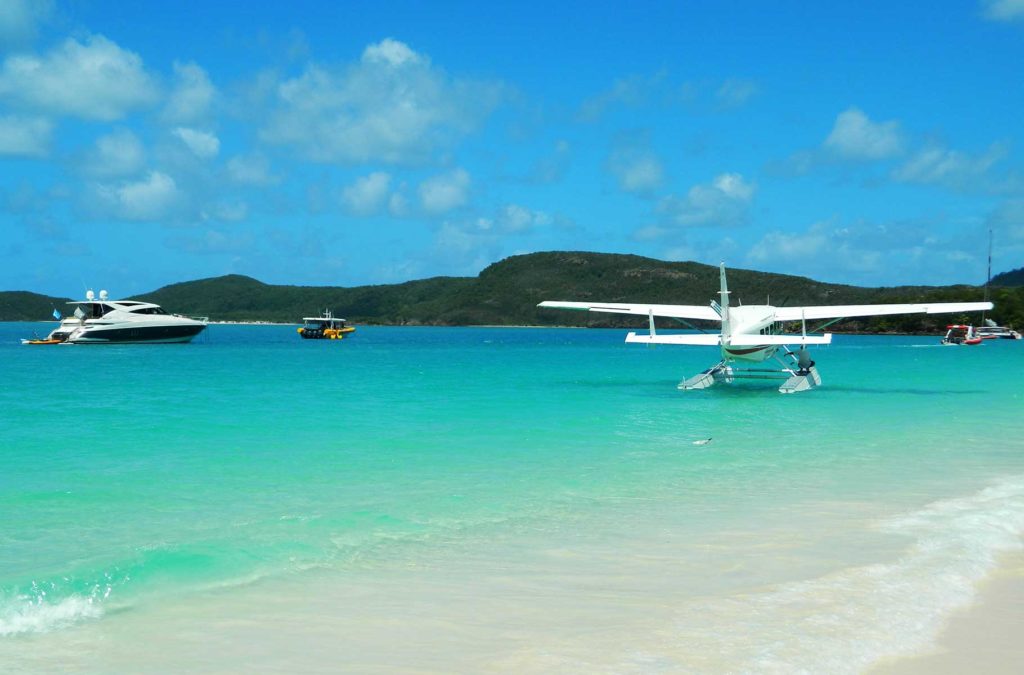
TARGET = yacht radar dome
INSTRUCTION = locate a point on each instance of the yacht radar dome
(103, 295)
(89, 295)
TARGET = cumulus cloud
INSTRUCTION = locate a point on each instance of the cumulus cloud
(856, 137)
(1003, 10)
(20, 19)
(392, 106)
(114, 155)
(516, 218)
(724, 201)
(445, 192)
(252, 169)
(630, 92)
(735, 92)
(937, 165)
(635, 166)
(872, 254)
(1008, 219)
(153, 198)
(94, 80)
(790, 246)
(192, 95)
(368, 194)
(24, 136)
(203, 144)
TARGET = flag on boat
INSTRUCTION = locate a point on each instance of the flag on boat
(79, 313)
(56, 314)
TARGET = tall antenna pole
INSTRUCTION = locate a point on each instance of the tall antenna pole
(989, 277)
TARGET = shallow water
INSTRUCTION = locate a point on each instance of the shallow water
(515, 500)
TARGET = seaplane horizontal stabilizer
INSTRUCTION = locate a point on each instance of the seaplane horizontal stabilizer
(706, 340)
(753, 340)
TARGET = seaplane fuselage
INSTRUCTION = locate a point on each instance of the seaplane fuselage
(748, 320)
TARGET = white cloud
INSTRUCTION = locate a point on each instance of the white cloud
(392, 106)
(94, 80)
(391, 52)
(368, 194)
(633, 91)
(398, 205)
(253, 169)
(734, 93)
(723, 202)
(635, 167)
(1003, 10)
(937, 165)
(153, 198)
(192, 95)
(516, 218)
(24, 136)
(775, 247)
(1008, 219)
(225, 211)
(445, 192)
(856, 137)
(203, 145)
(20, 19)
(114, 155)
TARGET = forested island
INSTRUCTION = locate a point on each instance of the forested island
(507, 292)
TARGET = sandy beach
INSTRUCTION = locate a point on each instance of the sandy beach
(982, 638)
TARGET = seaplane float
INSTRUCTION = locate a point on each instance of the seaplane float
(752, 335)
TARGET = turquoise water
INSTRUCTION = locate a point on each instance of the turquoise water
(487, 499)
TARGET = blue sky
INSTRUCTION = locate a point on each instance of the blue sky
(326, 143)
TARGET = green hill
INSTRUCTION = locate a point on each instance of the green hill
(507, 292)
(1011, 278)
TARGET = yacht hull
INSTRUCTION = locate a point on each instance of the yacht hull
(165, 334)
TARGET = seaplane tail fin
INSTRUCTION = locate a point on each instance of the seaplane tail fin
(672, 311)
(843, 311)
(723, 303)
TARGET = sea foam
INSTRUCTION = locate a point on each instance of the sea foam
(848, 620)
(22, 615)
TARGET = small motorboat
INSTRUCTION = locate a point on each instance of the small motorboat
(325, 327)
(959, 334)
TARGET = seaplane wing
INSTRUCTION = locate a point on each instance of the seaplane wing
(843, 311)
(671, 311)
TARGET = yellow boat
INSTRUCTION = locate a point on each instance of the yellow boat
(326, 327)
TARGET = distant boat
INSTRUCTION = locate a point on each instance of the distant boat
(959, 334)
(325, 327)
(993, 331)
(104, 321)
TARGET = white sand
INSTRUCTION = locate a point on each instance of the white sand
(987, 637)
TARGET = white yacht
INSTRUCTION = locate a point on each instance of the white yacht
(104, 321)
(991, 330)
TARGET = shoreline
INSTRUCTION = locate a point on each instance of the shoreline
(984, 637)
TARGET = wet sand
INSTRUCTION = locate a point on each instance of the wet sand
(987, 637)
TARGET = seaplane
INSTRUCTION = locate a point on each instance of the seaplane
(753, 335)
